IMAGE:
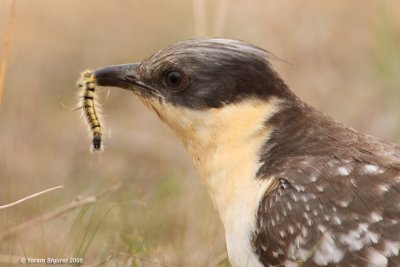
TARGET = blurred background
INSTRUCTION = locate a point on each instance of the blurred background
(116, 208)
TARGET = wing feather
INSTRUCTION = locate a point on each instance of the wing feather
(331, 212)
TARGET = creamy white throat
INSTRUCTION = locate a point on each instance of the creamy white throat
(225, 145)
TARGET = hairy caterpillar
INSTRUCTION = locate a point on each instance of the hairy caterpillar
(87, 82)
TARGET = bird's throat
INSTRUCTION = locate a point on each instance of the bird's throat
(225, 145)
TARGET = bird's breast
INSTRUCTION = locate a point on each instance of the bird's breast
(225, 145)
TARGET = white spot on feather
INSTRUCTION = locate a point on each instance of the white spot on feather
(299, 241)
(282, 233)
(327, 251)
(358, 238)
(296, 253)
(376, 259)
(344, 203)
(299, 188)
(372, 237)
(262, 223)
(263, 247)
(391, 248)
(383, 188)
(304, 231)
(277, 253)
(343, 171)
(321, 228)
(337, 220)
(372, 169)
(375, 217)
(270, 203)
(313, 178)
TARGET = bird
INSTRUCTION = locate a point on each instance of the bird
(292, 186)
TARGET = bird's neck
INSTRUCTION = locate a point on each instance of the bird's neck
(225, 145)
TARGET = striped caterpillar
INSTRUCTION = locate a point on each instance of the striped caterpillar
(87, 82)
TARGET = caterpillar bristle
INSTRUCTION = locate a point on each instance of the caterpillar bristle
(87, 82)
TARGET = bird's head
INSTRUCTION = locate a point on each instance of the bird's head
(204, 85)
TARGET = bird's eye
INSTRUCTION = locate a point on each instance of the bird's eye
(174, 79)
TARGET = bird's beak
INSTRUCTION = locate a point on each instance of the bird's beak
(123, 76)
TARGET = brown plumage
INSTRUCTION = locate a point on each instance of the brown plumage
(336, 187)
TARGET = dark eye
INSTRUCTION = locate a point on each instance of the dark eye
(174, 78)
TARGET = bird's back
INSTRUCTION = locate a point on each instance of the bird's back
(336, 199)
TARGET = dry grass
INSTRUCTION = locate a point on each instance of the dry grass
(6, 48)
(19, 201)
(343, 61)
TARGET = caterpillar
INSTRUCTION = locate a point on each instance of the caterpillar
(87, 82)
